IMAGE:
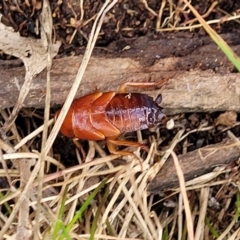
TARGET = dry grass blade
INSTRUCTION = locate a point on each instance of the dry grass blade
(155, 169)
(180, 217)
(211, 8)
(32, 135)
(21, 199)
(92, 40)
(185, 198)
(203, 210)
(102, 236)
(235, 235)
(227, 230)
(46, 36)
(141, 221)
(148, 8)
(160, 13)
(6, 147)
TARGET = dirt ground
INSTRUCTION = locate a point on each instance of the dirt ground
(127, 21)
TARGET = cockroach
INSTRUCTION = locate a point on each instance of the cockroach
(107, 115)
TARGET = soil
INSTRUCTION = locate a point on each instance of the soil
(127, 21)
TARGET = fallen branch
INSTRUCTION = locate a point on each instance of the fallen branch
(188, 91)
(195, 163)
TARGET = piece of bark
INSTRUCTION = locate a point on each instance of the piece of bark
(34, 55)
(194, 164)
(191, 91)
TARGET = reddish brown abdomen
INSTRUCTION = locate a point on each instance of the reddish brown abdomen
(133, 111)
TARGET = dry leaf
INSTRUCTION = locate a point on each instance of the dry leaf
(228, 119)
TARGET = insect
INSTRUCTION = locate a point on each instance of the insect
(107, 115)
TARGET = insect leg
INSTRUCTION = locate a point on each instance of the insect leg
(112, 143)
(123, 87)
(79, 147)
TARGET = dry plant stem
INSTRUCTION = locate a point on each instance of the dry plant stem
(143, 206)
(74, 203)
(214, 4)
(235, 235)
(46, 36)
(6, 147)
(60, 197)
(160, 12)
(203, 203)
(180, 217)
(23, 165)
(116, 194)
(87, 190)
(202, 161)
(31, 135)
(100, 173)
(138, 196)
(92, 40)
(13, 195)
(185, 198)
(124, 227)
(23, 231)
(122, 179)
(21, 199)
(80, 20)
(66, 171)
(20, 155)
(81, 10)
(227, 14)
(30, 52)
(22, 95)
(159, 225)
(227, 230)
(140, 187)
(81, 183)
(197, 25)
(143, 178)
(102, 236)
(148, 8)
(141, 181)
(223, 210)
(155, 169)
(173, 221)
(138, 214)
(116, 211)
(232, 136)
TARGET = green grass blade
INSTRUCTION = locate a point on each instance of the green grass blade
(237, 215)
(216, 38)
(6, 205)
(79, 213)
(94, 224)
(59, 227)
(211, 229)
